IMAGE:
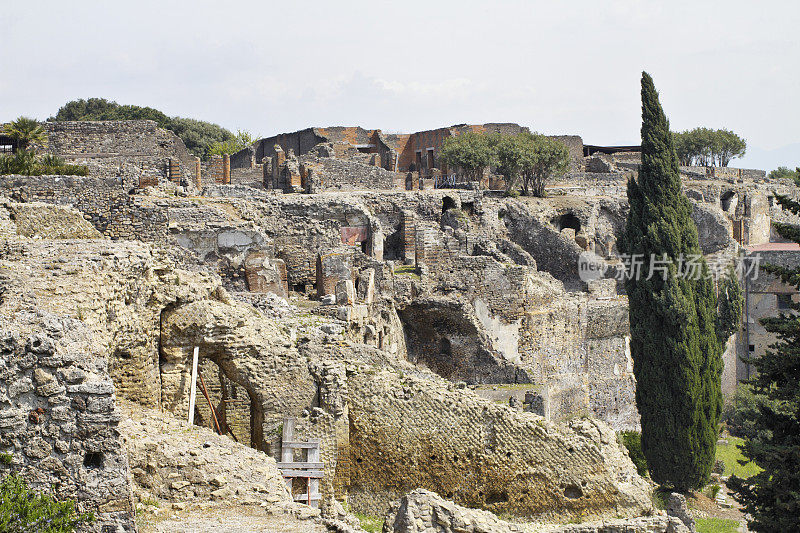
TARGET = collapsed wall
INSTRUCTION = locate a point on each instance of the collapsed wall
(422, 510)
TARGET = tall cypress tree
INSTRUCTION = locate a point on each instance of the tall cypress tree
(676, 353)
(772, 497)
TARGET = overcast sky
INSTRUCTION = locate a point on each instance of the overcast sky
(558, 67)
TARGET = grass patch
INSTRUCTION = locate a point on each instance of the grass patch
(660, 498)
(371, 524)
(730, 454)
(407, 270)
(510, 386)
(716, 525)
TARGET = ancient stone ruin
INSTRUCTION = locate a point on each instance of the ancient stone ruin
(426, 335)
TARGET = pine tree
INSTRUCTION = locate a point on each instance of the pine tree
(676, 352)
(772, 497)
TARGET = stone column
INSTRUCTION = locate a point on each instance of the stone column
(226, 169)
(197, 176)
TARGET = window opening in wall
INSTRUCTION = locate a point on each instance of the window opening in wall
(430, 158)
(725, 200)
(419, 161)
(93, 460)
(567, 220)
(784, 301)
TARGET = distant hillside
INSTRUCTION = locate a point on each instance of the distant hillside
(197, 135)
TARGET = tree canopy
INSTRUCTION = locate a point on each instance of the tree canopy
(469, 151)
(531, 159)
(708, 147)
(26, 132)
(677, 355)
(525, 159)
(197, 135)
(786, 173)
(241, 140)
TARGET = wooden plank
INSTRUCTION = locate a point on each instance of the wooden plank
(313, 484)
(311, 474)
(288, 433)
(193, 389)
(299, 445)
(305, 497)
(302, 465)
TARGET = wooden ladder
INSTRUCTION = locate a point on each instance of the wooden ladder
(312, 470)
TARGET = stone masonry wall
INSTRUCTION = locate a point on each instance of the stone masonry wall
(58, 417)
(106, 203)
(480, 454)
(111, 145)
(329, 173)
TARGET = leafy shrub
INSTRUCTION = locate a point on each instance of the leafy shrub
(741, 410)
(717, 525)
(785, 173)
(23, 510)
(632, 440)
(25, 162)
(371, 524)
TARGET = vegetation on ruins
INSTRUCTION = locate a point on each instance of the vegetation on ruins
(25, 132)
(673, 315)
(527, 160)
(730, 306)
(632, 440)
(28, 133)
(23, 510)
(786, 173)
(470, 152)
(707, 147)
(241, 140)
(26, 162)
(772, 497)
(197, 135)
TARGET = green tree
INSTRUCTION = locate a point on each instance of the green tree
(772, 497)
(26, 132)
(25, 511)
(469, 152)
(730, 306)
(673, 318)
(241, 140)
(707, 147)
(785, 173)
(725, 146)
(530, 159)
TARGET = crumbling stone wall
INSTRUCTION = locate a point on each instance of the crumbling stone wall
(480, 454)
(58, 417)
(106, 202)
(118, 290)
(331, 174)
(421, 511)
(118, 147)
